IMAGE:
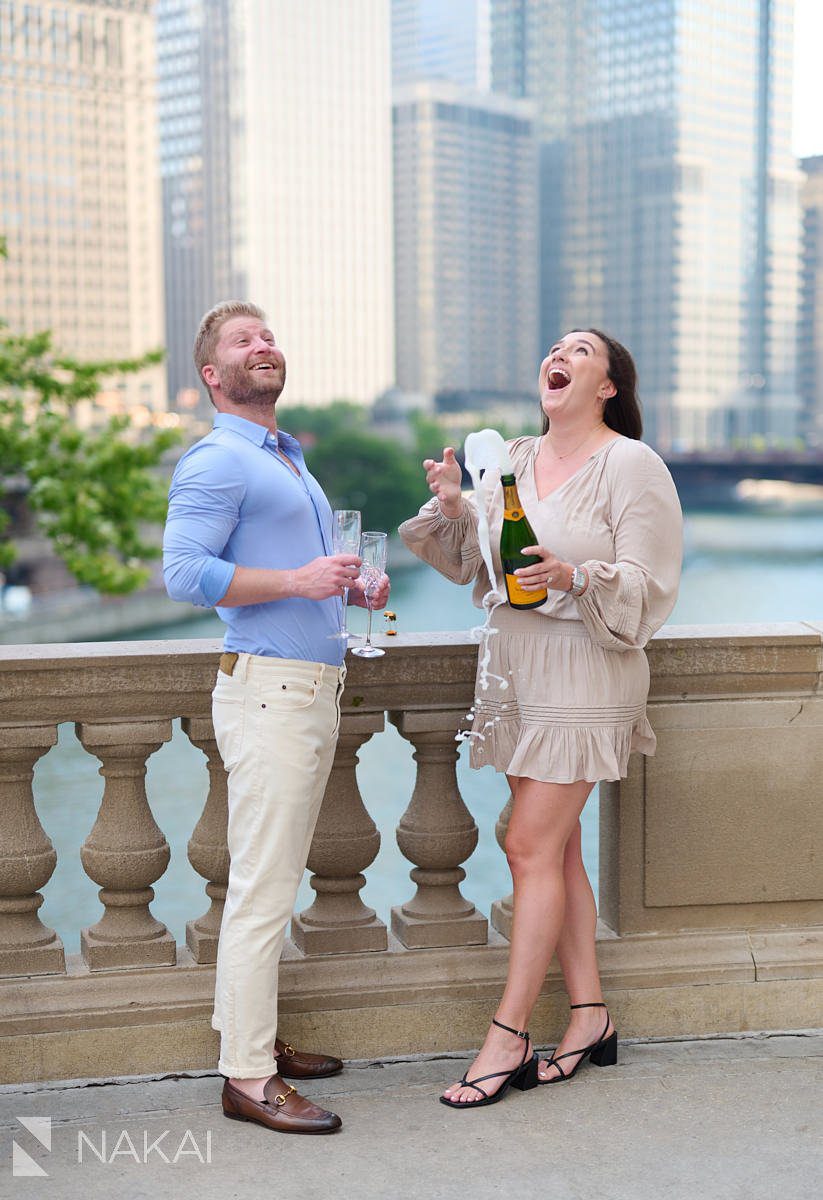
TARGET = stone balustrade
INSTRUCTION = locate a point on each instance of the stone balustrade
(711, 888)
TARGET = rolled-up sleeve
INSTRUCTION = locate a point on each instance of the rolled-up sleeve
(205, 498)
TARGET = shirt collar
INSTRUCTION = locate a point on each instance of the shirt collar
(247, 429)
(256, 433)
(287, 442)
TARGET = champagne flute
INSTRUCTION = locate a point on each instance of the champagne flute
(373, 554)
(345, 540)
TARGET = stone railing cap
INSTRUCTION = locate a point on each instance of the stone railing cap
(16, 657)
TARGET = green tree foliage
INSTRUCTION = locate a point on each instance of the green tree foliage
(92, 492)
(311, 423)
(356, 466)
(429, 437)
(358, 469)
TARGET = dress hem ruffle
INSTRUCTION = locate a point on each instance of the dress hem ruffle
(571, 753)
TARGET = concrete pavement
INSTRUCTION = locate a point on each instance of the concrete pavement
(737, 1118)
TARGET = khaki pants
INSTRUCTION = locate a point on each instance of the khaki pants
(276, 722)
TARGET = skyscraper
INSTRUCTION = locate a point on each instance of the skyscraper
(78, 188)
(277, 170)
(465, 245)
(194, 43)
(811, 312)
(669, 197)
(443, 41)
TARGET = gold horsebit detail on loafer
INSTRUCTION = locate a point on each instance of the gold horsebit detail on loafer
(283, 1097)
(289, 1051)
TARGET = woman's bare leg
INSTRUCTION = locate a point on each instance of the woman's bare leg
(544, 816)
(578, 959)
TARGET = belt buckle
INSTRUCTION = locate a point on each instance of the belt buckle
(228, 662)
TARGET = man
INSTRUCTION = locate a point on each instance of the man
(249, 531)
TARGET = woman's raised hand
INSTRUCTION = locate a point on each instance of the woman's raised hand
(444, 479)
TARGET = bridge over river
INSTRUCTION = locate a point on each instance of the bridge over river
(711, 477)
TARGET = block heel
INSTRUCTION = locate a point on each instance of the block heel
(523, 1077)
(526, 1077)
(605, 1053)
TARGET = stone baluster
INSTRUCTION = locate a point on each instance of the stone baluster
(125, 851)
(208, 847)
(437, 833)
(345, 842)
(27, 857)
(503, 910)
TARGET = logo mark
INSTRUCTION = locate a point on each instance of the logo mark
(22, 1164)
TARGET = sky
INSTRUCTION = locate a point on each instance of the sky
(808, 79)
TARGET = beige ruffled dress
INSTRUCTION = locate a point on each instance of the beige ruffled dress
(575, 674)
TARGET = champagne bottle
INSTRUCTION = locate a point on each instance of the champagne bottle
(517, 533)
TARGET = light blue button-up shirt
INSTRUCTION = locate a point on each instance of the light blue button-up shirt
(233, 501)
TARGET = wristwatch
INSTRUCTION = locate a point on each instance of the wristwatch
(579, 581)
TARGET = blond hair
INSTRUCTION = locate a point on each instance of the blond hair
(205, 343)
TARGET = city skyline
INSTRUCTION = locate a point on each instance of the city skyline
(807, 131)
(309, 230)
(674, 230)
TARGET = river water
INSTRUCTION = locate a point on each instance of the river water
(745, 565)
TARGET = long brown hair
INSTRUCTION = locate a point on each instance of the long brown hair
(622, 410)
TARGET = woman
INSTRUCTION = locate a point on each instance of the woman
(606, 513)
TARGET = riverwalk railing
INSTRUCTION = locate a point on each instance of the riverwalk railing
(709, 856)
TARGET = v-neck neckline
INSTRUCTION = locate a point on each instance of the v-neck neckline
(274, 446)
(560, 486)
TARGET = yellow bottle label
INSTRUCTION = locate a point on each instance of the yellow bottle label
(513, 514)
(517, 595)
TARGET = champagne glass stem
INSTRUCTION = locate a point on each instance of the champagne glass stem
(344, 628)
(346, 539)
(373, 554)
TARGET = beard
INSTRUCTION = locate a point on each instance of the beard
(253, 389)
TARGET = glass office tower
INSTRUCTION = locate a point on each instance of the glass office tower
(78, 192)
(276, 160)
(465, 226)
(669, 197)
(196, 162)
(433, 40)
(811, 315)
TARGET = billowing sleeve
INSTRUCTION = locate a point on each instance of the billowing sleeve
(628, 600)
(449, 544)
(206, 493)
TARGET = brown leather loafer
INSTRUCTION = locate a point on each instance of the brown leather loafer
(283, 1109)
(299, 1064)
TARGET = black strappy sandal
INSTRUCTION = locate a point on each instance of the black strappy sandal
(603, 1052)
(523, 1077)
